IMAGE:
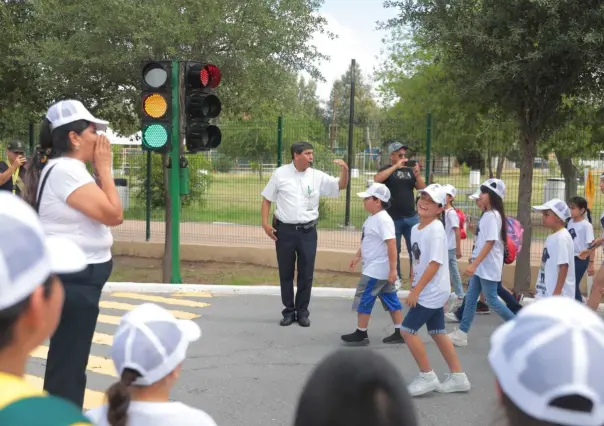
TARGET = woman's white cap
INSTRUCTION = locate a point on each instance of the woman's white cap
(70, 110)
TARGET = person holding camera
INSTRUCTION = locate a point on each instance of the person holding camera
(12, 174)
(401, 177)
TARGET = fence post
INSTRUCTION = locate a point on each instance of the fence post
(428, 145)
(350, 137)
(175, 174)
(279, 141)
(148, 200)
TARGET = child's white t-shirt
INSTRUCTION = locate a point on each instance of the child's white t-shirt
(377, 229)
(451, 222)
(558, 251)
(430, 245)
(142, 413)
(582, 233)
(489, 229)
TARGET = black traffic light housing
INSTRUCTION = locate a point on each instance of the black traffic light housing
(156, 105)
(201, 106)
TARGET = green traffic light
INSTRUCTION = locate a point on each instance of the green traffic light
(155, 136)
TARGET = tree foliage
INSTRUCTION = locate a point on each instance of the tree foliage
(523, 57)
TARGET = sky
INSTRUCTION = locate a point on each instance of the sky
(354, 22)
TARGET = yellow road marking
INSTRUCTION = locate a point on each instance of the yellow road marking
(102, 339)
(92, 399)
(128, 307)
(200, 294)
(96, 364)
(108, 319)
(160, 299)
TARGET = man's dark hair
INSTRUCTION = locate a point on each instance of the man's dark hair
(300, 147)
(10, 315)
(355, 388)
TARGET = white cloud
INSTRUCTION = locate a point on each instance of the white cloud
(347, 46)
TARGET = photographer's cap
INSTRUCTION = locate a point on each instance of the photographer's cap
(152, 341)
(377, 190)
(559, 207)
(396, 146)
(16, 146)
(68, 111)
(552, 349)
(27, 256)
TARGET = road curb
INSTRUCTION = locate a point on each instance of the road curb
(263, 290)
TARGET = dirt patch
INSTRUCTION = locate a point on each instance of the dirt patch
(141, 270)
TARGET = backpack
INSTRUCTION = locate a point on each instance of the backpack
(462, 223)
(514, 241)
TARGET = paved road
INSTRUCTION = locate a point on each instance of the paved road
(247, 370)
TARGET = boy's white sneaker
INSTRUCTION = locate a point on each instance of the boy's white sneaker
(459, 338)
(450, 317)
(424, 383)
(455, 382)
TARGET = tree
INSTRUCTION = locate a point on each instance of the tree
(521, 56)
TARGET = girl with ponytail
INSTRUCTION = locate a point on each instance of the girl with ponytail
(582, 232)
(148, 350)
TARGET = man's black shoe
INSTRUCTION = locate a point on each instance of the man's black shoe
(304, 322)
(395, 337)
(285, 321)
(358, 338)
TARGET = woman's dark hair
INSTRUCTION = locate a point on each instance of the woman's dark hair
(355, 388)
(497, 204)
(515, 416)
(51, 144)
(118, 398)
(10, 315)
(581, 203)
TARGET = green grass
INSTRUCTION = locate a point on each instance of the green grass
(235, 198)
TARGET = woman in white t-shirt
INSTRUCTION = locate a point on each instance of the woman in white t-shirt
(148, 350)
(71, 204)
(582, 232)
(487, 259)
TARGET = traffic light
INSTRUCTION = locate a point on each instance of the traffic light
(157, 105)
(201, 105)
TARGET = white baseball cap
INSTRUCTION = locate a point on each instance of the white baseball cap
(553, 348)
(27, 256)
(437, 193)
(559, 207)
(70, 110)
(450, 190)
(151, 341)
(495, 185)
(377, 190)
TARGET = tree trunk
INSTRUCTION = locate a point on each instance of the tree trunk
(490, 159)
(500, 162)
(260, 169)
(569, 171)
(522, 275)
(167, 261)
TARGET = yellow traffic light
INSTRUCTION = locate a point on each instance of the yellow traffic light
(155, 105)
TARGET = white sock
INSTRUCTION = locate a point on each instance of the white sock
(397, 326)
(361, 329)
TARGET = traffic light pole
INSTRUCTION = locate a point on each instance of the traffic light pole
(175, 175)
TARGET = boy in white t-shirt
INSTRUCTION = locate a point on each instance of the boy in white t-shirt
(148, 349)
(378, 253)
(429, 293)
(557, 273)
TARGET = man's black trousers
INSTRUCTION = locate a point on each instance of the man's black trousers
(70, 345)
(294, 243)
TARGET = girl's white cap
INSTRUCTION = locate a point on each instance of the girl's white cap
(450, 190)
(151, 341)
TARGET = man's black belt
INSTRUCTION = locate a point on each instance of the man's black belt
(299, 226)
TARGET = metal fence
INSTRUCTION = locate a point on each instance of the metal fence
(224, 207)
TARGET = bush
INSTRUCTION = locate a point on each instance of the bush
(199, 182)
(222, 163)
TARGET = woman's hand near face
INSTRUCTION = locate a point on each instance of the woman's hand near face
(102, 155)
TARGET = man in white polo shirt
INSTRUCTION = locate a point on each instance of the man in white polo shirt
(296, 189)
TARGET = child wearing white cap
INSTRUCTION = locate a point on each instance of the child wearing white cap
(453, 242)
(429, 293)
(31, 298)
(148, 349)
(378, 253)
(557, 272)
(548, 365)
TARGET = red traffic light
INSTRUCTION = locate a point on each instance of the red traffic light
(203, 75)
